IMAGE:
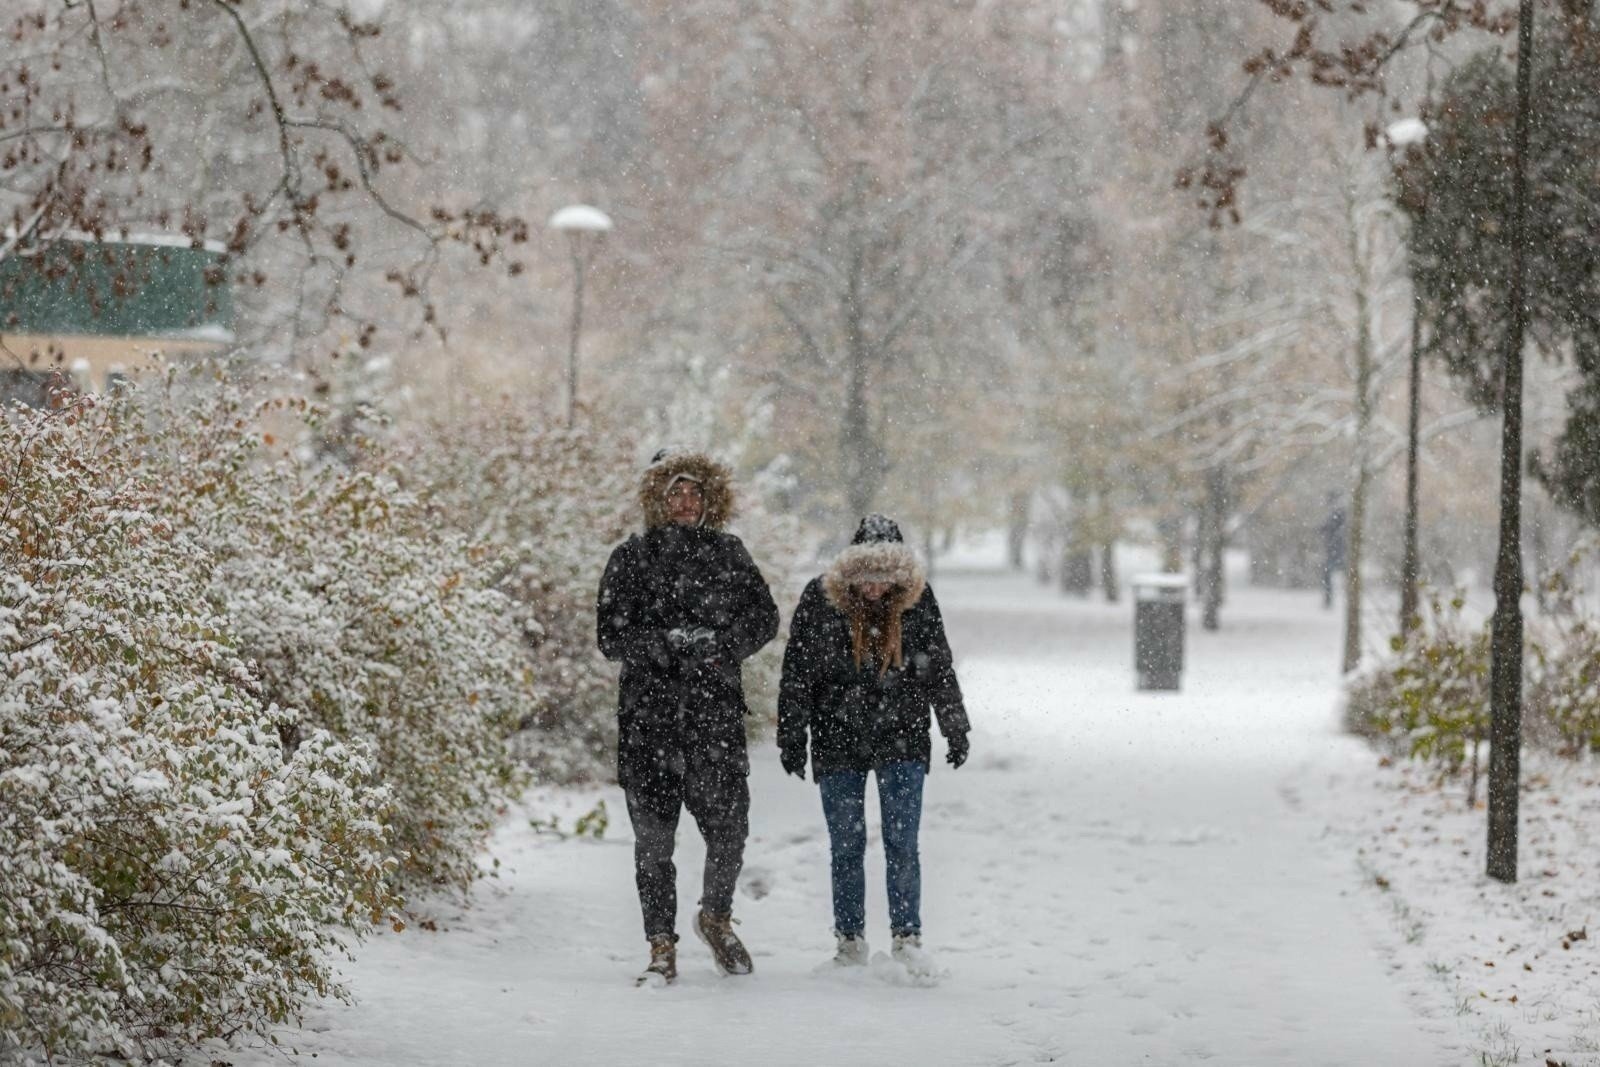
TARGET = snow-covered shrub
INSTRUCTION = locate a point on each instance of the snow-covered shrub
(360, 605)
(168, 870)
(1430, 700)
(545, 504)
(1563, 705)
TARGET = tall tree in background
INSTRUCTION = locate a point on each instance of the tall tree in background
(909, 139)
(1359, 67)
(1481, 126)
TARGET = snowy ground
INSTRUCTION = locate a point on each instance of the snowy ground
(1115, 877)
(1517, 967)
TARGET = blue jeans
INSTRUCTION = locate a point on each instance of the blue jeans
(900, 804)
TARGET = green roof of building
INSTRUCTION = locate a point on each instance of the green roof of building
(157, 286)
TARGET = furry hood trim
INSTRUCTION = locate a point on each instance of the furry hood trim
(714, 479)
(875, 561)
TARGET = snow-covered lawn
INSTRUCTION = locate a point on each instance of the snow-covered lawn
(1116, 877)
(1518, 967)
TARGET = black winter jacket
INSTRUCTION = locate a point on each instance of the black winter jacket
(681, 710)
(857, 719)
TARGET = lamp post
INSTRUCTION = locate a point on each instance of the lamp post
(584, 226)
(1401, 135)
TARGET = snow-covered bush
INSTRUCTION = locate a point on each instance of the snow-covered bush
(544, 504)
(1564, 697)
(1430, 700)
(169, 871)
(358, 604)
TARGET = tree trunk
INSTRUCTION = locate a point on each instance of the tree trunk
(1108, 572)
(1112, 29)
(861, 452)
(1352, 572)
(1017, 531)
(1077, 569)
(1408, 562)
(577, 330)
(1539, 549)
(1505, 649)
(1170, 529)
(1213, 523)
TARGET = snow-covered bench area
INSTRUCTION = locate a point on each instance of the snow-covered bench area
(1216, 875)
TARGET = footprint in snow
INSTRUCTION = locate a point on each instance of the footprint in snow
(755, 882)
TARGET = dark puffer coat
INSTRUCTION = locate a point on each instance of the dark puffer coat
(859, 718)
(680, 711)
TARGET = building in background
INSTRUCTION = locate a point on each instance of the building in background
(84, 313)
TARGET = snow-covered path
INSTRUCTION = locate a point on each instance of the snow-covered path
(1115, 878)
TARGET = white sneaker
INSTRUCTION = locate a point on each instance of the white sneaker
(907, 951)
(852, 952)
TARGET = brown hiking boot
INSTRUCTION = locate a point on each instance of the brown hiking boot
(663, 967)
(727, 951)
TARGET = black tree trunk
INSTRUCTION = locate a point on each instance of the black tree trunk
(1505, 663)
(1077, 570)
(1408, 559)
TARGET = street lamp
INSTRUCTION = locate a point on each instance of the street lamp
(1401, 135)
(584, 226)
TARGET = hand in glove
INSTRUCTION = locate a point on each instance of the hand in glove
(698, 643)
(659, 648)
(793, 759)
(958, 747)
(703, 642)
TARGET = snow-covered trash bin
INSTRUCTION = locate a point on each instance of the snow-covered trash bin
(1158, 629)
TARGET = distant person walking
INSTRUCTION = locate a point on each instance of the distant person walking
(682, 605)
(867, 661)
(1333, 548)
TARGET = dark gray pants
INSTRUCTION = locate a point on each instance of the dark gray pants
(719, 801)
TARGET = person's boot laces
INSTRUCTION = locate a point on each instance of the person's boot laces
(722, 926)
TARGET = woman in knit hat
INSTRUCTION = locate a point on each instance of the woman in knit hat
(866, 670)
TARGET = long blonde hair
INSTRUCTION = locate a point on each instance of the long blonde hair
(872, 638)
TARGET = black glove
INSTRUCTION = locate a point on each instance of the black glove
(958, 747)
(793, 758)
(659, 648)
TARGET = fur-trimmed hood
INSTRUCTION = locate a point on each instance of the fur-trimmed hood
(875, 561)
(715, 480)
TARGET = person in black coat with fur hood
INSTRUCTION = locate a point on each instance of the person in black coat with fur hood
(682, 606)
(866, 667)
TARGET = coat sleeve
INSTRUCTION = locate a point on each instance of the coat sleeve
(944, 692)
(621, 627)
(797, 684)
(756, 620)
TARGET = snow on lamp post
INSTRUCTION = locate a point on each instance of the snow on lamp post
(584, 226)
